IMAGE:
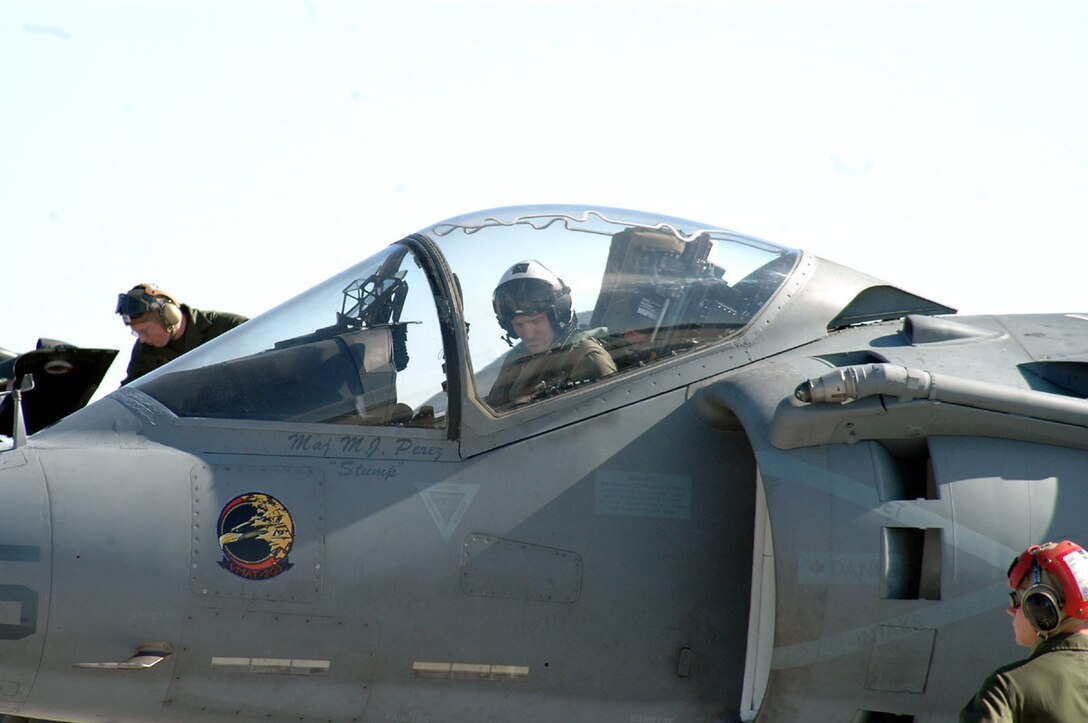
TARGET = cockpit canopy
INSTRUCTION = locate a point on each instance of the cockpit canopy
(376, 344)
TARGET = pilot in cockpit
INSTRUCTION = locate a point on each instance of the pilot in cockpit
(534, 305)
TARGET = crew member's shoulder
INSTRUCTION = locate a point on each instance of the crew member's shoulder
(1071, 642)
(585, 339)
(589, 354)
(207, 318)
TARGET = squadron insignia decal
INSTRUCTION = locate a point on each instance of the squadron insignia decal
(255, 533)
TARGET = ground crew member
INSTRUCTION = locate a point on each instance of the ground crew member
(165, 329)
(1049, 608)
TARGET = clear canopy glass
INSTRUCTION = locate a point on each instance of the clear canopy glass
(369, 346)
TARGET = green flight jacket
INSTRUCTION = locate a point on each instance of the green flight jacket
(1050, 686)
(200, 326)
(525, 377)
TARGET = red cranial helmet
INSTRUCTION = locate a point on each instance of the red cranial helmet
(1044, 605)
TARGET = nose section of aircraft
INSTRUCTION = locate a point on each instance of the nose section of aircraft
(24, 574)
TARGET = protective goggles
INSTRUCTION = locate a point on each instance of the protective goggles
(133, 307)
(1031, 602)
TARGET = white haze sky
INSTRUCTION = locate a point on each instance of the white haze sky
(237, 152)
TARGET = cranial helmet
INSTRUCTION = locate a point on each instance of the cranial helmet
(144, 299)
(1057, 586)
(529, 288)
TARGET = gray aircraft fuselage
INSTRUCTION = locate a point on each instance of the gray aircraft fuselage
(794, 501)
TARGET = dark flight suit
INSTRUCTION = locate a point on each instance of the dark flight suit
(200, 326)
(525, 377)
(1050, 686)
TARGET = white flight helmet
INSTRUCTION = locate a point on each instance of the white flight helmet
(528, 288)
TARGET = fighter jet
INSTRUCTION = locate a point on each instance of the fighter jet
(791, 496)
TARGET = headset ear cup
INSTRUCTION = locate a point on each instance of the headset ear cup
(1042, 608)
(170, 315)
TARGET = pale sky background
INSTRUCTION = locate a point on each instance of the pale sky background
(237, 153)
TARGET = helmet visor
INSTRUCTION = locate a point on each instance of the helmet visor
(523, 297)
